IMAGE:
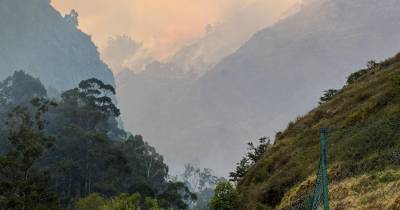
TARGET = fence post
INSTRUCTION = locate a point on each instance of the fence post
(324, 168)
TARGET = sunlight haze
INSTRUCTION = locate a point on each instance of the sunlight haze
(165, 26)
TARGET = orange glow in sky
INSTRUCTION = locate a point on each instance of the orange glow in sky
(163, 26)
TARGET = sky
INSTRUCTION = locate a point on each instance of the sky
(162, 26)
(130, 33)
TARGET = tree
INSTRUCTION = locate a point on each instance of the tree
(198, 179)
(22, 185)
(72, 18)
(90, 107)
(254, 153)
(90, 153)
(175, 195)
(20, 89)
(148, 169)
(202, 182)
(328, 95)
(124, 202)
(372, 65)
(241, 169)
(120, 202)
(225, 197)
(92, 202)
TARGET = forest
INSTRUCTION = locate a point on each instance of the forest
(199, 105)
(69, 152)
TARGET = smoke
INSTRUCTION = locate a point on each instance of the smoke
(165, 26)
(224, 38)
(118, 51)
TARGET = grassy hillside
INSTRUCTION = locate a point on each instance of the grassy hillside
(363, 119)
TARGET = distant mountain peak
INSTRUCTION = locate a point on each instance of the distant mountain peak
(37, 39)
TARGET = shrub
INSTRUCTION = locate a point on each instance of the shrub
(396, 80)
(356, 76)
(372, 65)
(91, 202)
(328, 95)
(225, 197)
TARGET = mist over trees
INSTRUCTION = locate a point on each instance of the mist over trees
(57, 151)
(275, 76)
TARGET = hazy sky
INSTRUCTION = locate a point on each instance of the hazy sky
(162, 26)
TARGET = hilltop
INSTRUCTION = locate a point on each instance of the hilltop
(363, 119)
(37, 39)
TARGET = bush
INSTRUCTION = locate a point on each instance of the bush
(373, 65)
(396, 81)
(225, 197)
(123, 201)
(389, 176)
(328, 95)
(91, 202)
(356, 76)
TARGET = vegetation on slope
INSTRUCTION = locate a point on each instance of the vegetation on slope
(54, 154)
(363, 119)
(377, 190)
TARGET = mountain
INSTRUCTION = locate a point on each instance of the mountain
(223, 39)
(282, 70)
(37, 39)
(278, 74)
(363, 148)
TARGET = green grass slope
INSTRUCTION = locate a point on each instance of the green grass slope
(364, 148)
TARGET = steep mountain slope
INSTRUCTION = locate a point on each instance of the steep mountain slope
(37, 39)
(279, 73)
(284, 66)
(282, 70)
(363, 144)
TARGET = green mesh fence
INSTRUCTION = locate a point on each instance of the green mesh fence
(318, 198)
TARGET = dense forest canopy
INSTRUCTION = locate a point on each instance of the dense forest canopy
(57, 151)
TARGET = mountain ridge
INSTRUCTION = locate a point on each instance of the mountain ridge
(37, 39)
(275, 76)
(362, 120)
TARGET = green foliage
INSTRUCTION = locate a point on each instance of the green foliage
(92, 202)
(123, 202)
(253, 155)
(120, 202)
(363, 121)
(225, 197)
(22, 185)
(20, 88)
(328, 95)
(372, 65)
(151, 203)
(176, 195)
(96, 95)
(389, 176)
(356, 76)
(396, 81)
(89, 153)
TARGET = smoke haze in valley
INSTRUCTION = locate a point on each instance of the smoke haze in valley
(277, 75)
(199, 85)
